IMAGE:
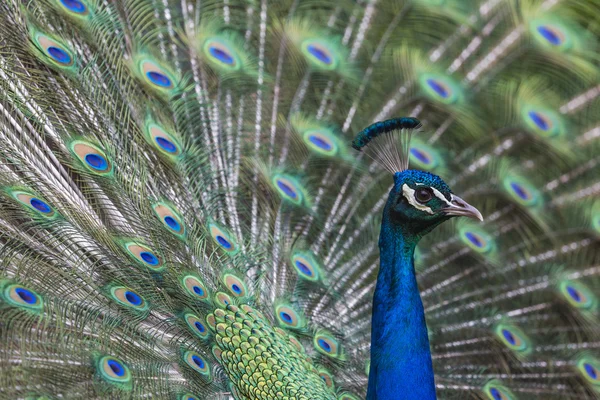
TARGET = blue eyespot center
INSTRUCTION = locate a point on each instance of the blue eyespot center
(172, 223)
(319, 53)
(198, 290)
(59, 55)
(149, 258)
(286, 317)
(25, 295)
(420, 155)
(303, 268)
(40, 205)
(223, 242)
(509, 336)
(133, 298)
(539, 120)
(74, 5)
(590, 370)
(473, 238)
(96, 161)
(166, 144)
(158, 79)
(116, 367)
(200, 327)
(198, 361)
(573, 293)
(438, 88)
(236, 288)
(285, 188)
(324, 345)
(519, 190)
(319, 142)
(221, 55)
(495, 393)
(549, 35)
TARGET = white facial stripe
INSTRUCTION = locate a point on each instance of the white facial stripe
(409, 194)
(440, 196)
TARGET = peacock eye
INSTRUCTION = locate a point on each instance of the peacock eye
(423, 195)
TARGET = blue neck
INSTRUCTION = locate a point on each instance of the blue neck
(401, 365)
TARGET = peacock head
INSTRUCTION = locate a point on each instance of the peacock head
(418, 201)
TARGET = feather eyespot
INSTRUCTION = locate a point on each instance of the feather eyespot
(56, 53)
(197, 363)
(170, 218)
(521, 191)
(321, 141)
(113, 370)
(589, 368)
(223, 299)
(34, 203)
(75, 6)
(196, 325)
(327, 345)
(129, 298)
(187, 396)
(288, 317)
(440, 87)
(220, 52)
(306, 267)
(326, 377)
(494, 390)
(235, 285)
(165, 142)
(195, 287)
(145, 256)
(20, 296)
(513, 338)
(92, 157)
(156, 76)
(319, 55)
(223, 239)
(476, 239)
(577, 294)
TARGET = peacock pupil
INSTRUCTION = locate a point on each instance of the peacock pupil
(198, 290)
(223, 242)
(149, 257)
(198, 361)
(303, 268)
(508, 336)
(319, 142)
(25, 295)
(496, 394)
(421, 156)
(319, 54)
(574, 294)
(590, 370)
(39, 205)
(95, 161)
(438, 88)
(423, 195)
(133, 298)
(286, 189)
(74, 5)
(221, 55)
(59, 55)
(539, 120)
(549, 35)
(199, 326)
(158, 79)
(172, 223)
(474, 239)
(519, 190)
(116, 368)
(286, 317)
(166, 144)
(236, 288)
(324, 345)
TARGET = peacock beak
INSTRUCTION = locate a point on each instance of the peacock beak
(459, 207)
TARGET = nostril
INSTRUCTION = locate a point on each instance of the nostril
(458, 203)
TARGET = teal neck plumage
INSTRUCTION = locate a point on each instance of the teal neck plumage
(401, 366)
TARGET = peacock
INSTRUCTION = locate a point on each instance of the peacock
(255, 199)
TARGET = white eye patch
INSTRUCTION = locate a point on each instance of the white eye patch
(409, 194)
